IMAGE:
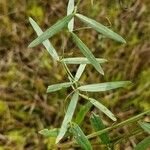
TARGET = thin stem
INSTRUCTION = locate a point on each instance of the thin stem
(67, 70)
(78, 3)
(121, 124)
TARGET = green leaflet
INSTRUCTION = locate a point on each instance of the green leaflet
(82, 112)
(49, 133)
(98, 125)
(99, 87)
(101, 107)
(80, 71)
(87, 53)
(68, 116)
(82, 60)
(101, 28)
(144, 144)
(57, 27)
(80, 137)
(70, 10)
(145, 126)
(49, 47)
(59, 86)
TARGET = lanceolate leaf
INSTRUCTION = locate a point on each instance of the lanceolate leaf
(145, 126)
(143, 145)
(101, 28)
(101, 107)
(49, 133)
(87, 53)
(104, 86)
(98, 125)
(80, 71)
(69, 11)
(52, 30)
(82, 112)
(56, 87)
(80, 137)
(68, 116)
(82, 60)
(49, 47)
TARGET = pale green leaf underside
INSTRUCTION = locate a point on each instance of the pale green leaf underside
(70, 10)
(57, 27)
(145, 126)
(59, 86)
(80, 137)
(102, 108)
(80, 71)
(82, 60)
(144, 144)
(100, 87)
(68, 116)
(100, 28)
(49, 47)
(49, 133)
(87, 53)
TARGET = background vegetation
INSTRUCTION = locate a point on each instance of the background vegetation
(25, 108)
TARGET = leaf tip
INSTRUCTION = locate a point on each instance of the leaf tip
(57, 140)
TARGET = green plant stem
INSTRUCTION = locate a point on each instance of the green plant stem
(78, 3)
(67, 70)
(124, 137)
(121, 124)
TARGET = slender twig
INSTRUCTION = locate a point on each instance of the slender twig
(78, 3)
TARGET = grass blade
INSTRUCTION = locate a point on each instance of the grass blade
(98, 125)
(103, 86)
(49, 133)
(145, 126)
(80, 71)
(101, 107)
(144, 144)
(87, 53)
(59, 86)
(57, 27)
(82, 112)
(80, 137)
(82, 60)
(101, 28)
(70, 10)
(68, 116)
(49, 47)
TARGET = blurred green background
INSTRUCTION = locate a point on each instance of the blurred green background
(25, 108)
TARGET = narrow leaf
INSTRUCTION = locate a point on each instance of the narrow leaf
(49, 133)
(87, 53)
(56, 87)
(57, 27)
(82, 60)
(49, 47)
(144, 144)
(68, 116)
(80, 71)
(101, 28)
(101, 107)
(104, 86)
(82, 112)
(70, 10)
(98, 125)
(145, 126)
(80, 137)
